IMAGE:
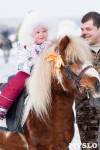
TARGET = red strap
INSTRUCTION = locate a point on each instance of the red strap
(84, 72)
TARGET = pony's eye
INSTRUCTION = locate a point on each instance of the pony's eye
(71, 63)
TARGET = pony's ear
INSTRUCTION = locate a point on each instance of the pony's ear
(63, 44)
(83, 36)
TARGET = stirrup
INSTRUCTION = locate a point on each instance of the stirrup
(3, 112)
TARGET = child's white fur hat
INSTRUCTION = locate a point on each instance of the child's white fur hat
(33, 20)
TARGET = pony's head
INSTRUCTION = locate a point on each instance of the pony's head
(78, 72)
(73, 75)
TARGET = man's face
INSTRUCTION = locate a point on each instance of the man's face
(90, 32)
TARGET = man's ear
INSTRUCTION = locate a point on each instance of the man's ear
(63, 44)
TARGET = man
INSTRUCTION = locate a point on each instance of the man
(87, 116)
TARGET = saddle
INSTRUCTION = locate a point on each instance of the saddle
(14, 115)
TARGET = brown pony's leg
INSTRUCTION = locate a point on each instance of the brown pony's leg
(11, 148)
(12, 141)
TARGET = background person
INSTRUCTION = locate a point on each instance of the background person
(5, 43)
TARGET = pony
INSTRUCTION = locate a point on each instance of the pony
(5, 46)
(52, 89)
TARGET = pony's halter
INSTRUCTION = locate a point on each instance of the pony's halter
(58, 62)
(76, 78)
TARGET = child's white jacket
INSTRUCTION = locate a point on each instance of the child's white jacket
(24, 58)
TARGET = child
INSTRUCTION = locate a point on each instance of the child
(35, 35)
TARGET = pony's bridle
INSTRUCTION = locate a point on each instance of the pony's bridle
(58, 62)
(76, 78)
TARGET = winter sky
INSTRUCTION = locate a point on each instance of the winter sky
(59, 8)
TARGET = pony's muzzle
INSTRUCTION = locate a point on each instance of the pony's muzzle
(95, 102)
(97, 86)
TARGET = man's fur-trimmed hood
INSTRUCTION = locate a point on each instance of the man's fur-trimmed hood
(32, 21)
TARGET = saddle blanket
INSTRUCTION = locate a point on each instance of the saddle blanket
(17, 114)
(26, 109)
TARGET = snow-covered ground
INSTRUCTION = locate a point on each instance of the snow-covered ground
(75, 144)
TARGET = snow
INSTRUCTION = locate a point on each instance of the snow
(76, 138)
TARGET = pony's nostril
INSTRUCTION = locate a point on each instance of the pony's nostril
(97, 86)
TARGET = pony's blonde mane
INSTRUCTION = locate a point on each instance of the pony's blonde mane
(39, 83)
